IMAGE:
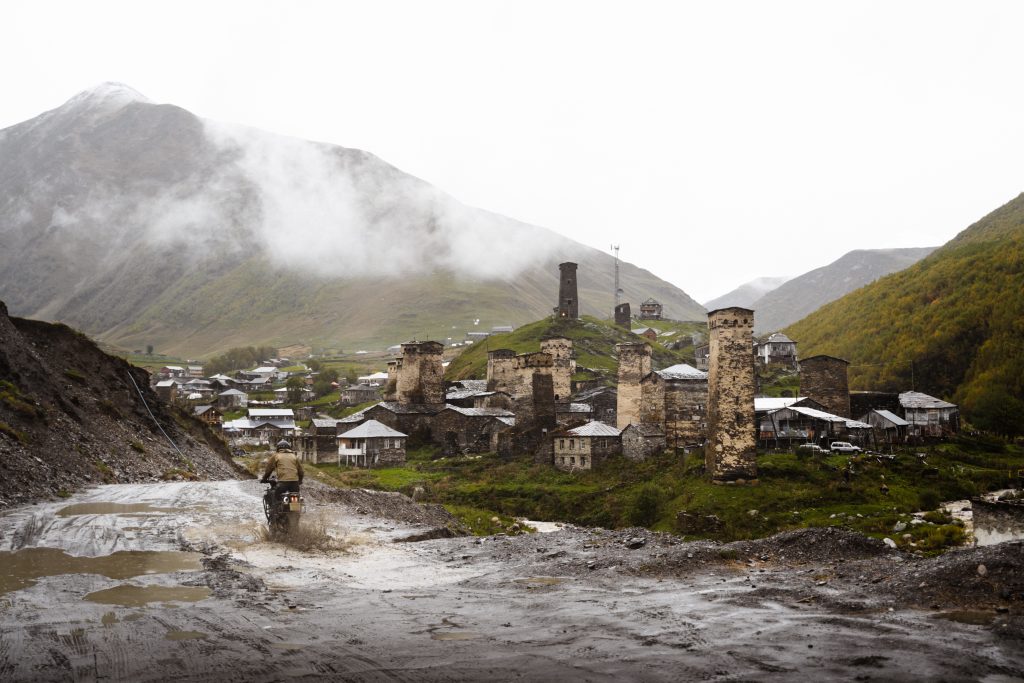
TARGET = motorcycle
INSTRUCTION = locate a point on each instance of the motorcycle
(283, 511)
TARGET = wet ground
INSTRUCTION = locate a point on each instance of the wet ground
(162, 581)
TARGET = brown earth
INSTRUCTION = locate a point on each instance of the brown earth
(71, 415)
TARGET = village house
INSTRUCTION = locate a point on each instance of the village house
(573, 413)
(583, 448)
(166, 390)
(702, 360)
(647, 333)
(473, 394)
(889, 429)
(208, 414)
(777, 348)
(797, 424)
(194, 371)
(372, 444)
(650, 310)
(232, 399)
(640, 441)
(469, 430)
(928, 416)
(602, 401)
(261, 427)
(318, 442)
(358, 393)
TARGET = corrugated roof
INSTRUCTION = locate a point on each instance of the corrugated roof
(271, 412)
(770, 403)
(682, 371)
(893, 417)
(232, 392)
(645, 430)
(371, 429)
(915, 399)
(779, 338)
(482, 412)
(324, 423)
(595, 428)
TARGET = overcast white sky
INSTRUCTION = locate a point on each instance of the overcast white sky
(714, 141)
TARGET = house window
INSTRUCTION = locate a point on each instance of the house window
(572, 444)
(583, 461)
(572, 460)
(561, 444)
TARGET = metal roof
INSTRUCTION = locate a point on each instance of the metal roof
(595, 428)
(892, 417)
(271, 412)
(915, 399)
(325, 423)
(232, 392)
(682, 371)
(779, 338)
(770, 403)
(482, 412)
(371, 429)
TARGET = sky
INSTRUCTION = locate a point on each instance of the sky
(714, 142)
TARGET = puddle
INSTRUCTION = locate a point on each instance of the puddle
(127, 595)
(111, 509)
(968, 616)
(185, 635)
(21, 569)
(455, 635)
(540, 581)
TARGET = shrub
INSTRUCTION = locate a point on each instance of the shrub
(929, 499)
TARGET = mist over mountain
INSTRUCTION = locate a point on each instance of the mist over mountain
(141, 223)
(746, 294)
(804, 294)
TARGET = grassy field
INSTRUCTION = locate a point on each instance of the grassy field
(670, 493)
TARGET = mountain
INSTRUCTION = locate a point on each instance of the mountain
(70, 416)
(141, 223)
(951, 325)
(804, 294)
(746, 294)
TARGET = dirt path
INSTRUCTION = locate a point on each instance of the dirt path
(575, 604)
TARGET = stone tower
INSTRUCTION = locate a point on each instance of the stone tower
(564, 365)
(623, 318)
(568, 298)
(634, 365)
(421, 374)
(501, 370)
(731, 449)
(824, 378)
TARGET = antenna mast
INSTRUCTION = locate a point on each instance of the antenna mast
(618, 292)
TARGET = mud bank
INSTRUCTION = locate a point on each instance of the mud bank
(574, 604)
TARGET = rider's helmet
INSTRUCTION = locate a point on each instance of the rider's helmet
(283, 445)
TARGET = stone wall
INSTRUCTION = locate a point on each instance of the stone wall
(623, 317)
(640, 443)
(634, 365)
(686, 403)
(563, 364)
(731, 448)
(652, 400)
(501, 370)
(568, 297)
(421, 374)
(824, 379)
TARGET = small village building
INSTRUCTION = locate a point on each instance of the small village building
(647, 333)
(173, 371)
(372, 444)
(197, 386)
(889, 428)
(573, 413)
(358, 393)
(260, 384)
(318, 442)
(928, 416)
(583, 448)
(376, 379)
(702, 358)
(502, 329)
(469, 430)
(650, 310)
(603, 402)
(798, 424)
(232, 399)
(778, 348)
(640, 441)
(194, 371)
(208, 414)
(166, 390)
(472, 393)
(262, 427)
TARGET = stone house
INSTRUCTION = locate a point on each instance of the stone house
(685, 404)
(573, 413)
(372, 444)
(583, 448)
(358, 393)
(603, 402)
(469, 430)
(825, 379)
(232, 399)
(319, 441)
(166, 390)
(640, 441)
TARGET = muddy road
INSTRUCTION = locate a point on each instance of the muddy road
(173, 581)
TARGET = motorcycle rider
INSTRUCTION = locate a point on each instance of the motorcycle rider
(285, 463)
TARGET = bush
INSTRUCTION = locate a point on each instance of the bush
(929, 499)
(645, 506)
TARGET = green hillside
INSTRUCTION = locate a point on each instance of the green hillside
(593, 339)
(951, 325)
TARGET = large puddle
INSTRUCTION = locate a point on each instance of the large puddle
(127, 595)
(21, 569)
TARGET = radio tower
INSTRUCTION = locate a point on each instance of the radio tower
(618, 292)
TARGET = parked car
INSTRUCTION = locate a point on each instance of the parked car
(845, 447)
(811, 448)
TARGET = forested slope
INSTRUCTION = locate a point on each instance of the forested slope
(951, 325)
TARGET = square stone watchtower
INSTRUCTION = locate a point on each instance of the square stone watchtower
(421, 374)
(563, 364)
(824, 378)
(634, 365)
(568, 296)
(731, 449)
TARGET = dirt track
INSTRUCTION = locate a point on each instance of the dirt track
(576, 604)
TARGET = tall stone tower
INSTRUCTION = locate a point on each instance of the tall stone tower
(824, 378)
(564, 365)
(421, 374)
(634, 365)
(731, 449)
(568, 298)
(501, 372)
